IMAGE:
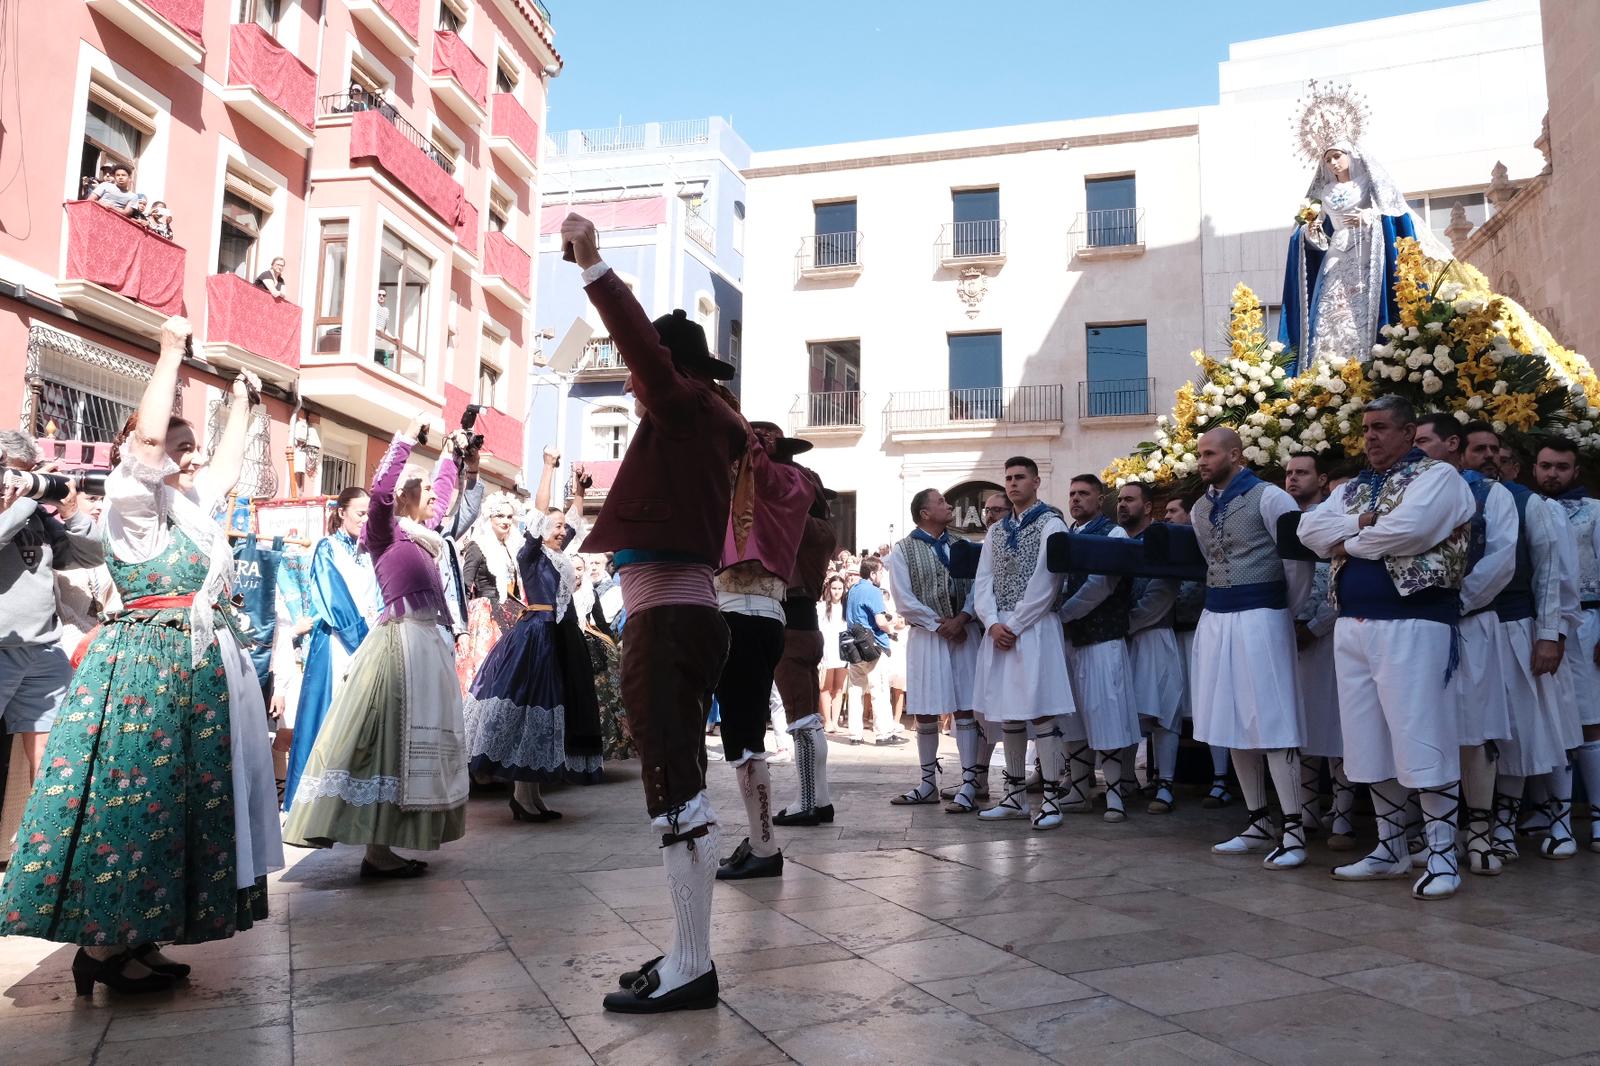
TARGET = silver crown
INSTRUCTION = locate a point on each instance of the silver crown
(1330, 113)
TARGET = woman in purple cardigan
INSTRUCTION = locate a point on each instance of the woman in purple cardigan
(389, 767)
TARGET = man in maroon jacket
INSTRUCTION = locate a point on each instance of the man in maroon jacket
(664, 520)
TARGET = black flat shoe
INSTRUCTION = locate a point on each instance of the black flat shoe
(813, 817)
(699, 994)
(87, 971)
(175, 970)
(412, 868)
(628, 979)
(522, 814)
(745, 864)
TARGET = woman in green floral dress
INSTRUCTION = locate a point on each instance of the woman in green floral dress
(153, 818)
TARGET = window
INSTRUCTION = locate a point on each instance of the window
(491, 371)
(738, 226)
(79, 390)
(115, 130)
(401, 318)
(835, 233)
(1118, 362)
(705, 313)
(505, 77)
(974, 375)
(735, 341)
(835, 395)
(336, 475)
(842, 516)
(1435, 210)
(264, 13)
(1111, 211)
(1272, 316)
(610, 429)
(976, 217)
(245, 209)
(452, 15)
(367, 78)
(332, 257)
(499, 210)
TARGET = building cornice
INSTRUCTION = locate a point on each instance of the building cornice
(939, 155)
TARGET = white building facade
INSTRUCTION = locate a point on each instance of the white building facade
(923, 308)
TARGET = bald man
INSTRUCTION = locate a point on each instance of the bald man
(1243, 687)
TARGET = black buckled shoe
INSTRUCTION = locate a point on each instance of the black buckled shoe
(143, 955)
(813, 817)
(627, 980)
(745, 864)
(699, 994)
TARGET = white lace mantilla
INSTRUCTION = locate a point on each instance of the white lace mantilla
(356, 791)
(530, 738)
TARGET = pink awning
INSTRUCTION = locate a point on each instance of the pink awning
(467, 228)
(257, 60)
(603, 472)
(105, 248)
(502, 258)
(640, 213)
(375, 140)
(251, 318)
(187, 15)
(66, 455)
(502, 434)
(512, 121)
(452, 56)
(406, 12)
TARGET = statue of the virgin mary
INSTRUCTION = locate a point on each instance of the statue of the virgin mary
(1338, 286)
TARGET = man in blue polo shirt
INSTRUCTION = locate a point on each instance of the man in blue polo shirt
(869, 682)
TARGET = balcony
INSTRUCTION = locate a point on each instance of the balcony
(270, 87)
(826, 414)
(466, 246)
(380, 138)
(249, 329)
(119, 272)
(638, 137)
(459, 78)
(829, 255)
(502, 434)
(1112, 233)
(947, 414)
(514, 136)
(507, 271)
(359, 383)
(700, 229)
(972, 243)
(394, 22)
(601, 361)
(1117, 400)
(169, 28)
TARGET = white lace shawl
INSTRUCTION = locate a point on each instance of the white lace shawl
(567, 572)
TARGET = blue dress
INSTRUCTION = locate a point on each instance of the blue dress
(341, 625)
(532, 714)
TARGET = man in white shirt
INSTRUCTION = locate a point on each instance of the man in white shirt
(1158, 673)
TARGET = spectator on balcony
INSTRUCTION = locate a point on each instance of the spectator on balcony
(272, 281)
(161, 219)
(34, 671)
(380, 321)
(118, 194)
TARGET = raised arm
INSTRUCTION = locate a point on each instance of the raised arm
(218, 477)
(148, 443)
(379, 531)
(445, 473)
(547, 476)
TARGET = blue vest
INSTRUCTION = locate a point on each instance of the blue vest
(1515, 601)
(1108, 621)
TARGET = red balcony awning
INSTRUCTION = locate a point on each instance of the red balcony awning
(123, 256)
(603, 472)
(257, 60)
(467, 228)
(637, 213)
(249, 317)
(502, 258)
(452, 56)
(375, 140)
(187, 15)
(68, 455)
(502, 434)
(512, 121)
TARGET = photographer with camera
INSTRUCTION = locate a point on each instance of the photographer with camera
(463, 448)
(34, 670)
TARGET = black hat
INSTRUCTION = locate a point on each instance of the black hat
(786, 447)
(686, 341)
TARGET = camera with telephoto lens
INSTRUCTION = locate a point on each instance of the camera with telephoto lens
(51, 488)
(469, 418)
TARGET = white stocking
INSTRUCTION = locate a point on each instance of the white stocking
(1166, 745)
(967, 750)
(1252, 782)
(819, 740)
(690, 877)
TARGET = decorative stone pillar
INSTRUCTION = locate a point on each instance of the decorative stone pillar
(1500, 188)
(1459, 229)
(1543, 142)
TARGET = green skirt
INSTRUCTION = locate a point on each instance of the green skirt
(128, 836)
(350, 791)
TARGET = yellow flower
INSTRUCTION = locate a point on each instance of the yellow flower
(1515, 409)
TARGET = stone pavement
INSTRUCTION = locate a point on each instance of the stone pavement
(897, 935)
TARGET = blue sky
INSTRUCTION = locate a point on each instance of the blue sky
(793, 73)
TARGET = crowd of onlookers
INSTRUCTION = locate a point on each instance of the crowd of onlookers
(114, 190)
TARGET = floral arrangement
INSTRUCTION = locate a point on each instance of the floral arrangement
(1457, 347)
(1310, 211)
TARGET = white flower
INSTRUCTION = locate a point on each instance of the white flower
(1499, 426)
(1414, 377)
(1336, 386)
(1412, 334)
(1475, 403)
(1397, 374)
(1261, 397)
(1434, 327)
(1344, 427)
(1276, 347)
(1499, 388)
(1449, 291)
(1285, 423)
(1292, 410)
(1431, 385)
(1463, 417)
(1278, 373)
(1415, 360)
(1444, 364)
(1322, 446)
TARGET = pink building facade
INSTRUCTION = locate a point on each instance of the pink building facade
(387, 150)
